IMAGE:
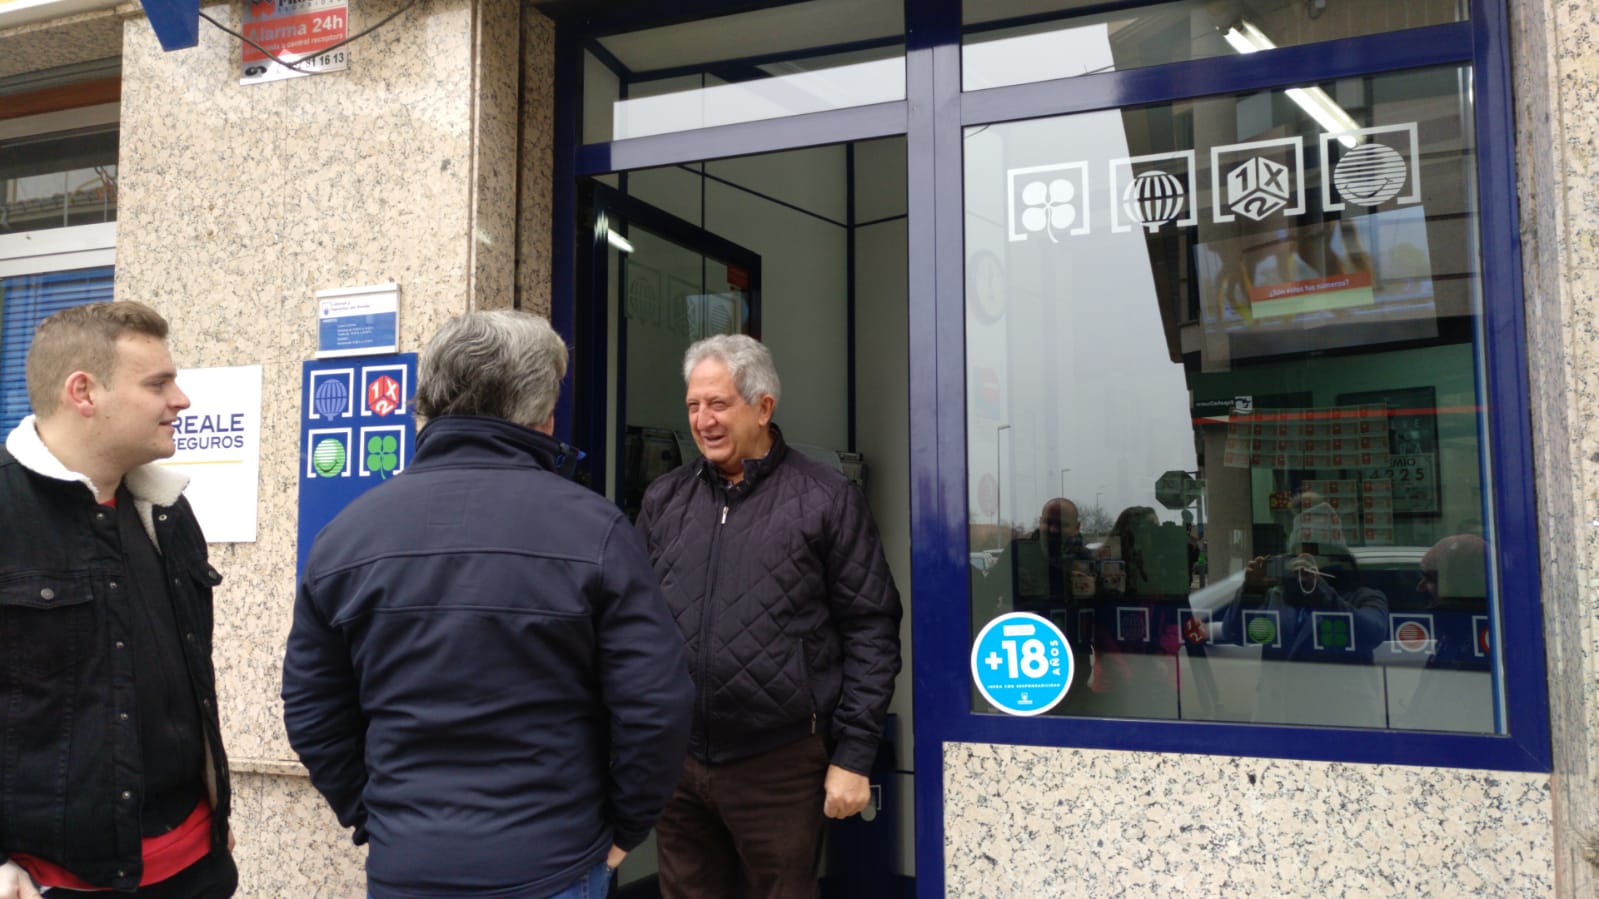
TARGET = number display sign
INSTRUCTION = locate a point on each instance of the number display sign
(1022, 664)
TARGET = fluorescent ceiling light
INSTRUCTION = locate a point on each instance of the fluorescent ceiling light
(618, 241)
(1244, 37)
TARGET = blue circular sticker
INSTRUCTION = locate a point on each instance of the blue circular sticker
(1022, 664)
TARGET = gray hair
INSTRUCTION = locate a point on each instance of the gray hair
(747, 360)
(500, 364)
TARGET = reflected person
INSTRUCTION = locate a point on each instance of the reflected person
(1310, 578)
(1037, 568)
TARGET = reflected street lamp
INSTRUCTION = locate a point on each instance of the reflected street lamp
(999, 480)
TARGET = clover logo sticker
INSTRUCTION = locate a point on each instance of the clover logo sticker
(382, 454)
(1050, 206)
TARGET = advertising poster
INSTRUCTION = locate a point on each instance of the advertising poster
(356, 431)
(219, 447)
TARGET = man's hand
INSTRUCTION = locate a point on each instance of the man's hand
(1255, 574)
(847, 792)
(15, 883)
(613, 859)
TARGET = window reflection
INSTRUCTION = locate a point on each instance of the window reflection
(58, 180)
(784, 60)
(1223, 408)
(1022, 41)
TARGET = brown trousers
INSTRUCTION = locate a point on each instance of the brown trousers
(761, 816)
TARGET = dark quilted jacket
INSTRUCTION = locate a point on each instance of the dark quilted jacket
(785, 601)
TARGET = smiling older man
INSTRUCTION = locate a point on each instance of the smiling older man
(774, 570)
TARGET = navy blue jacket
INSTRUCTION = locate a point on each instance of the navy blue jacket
(483, 678)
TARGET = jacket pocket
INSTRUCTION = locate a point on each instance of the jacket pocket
(203, 578)
(46, 623)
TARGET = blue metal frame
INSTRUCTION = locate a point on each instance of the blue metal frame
(932, 117)
(834, 126)
(937, 338)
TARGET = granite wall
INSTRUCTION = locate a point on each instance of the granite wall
(1030, 821)
(1556, 62)
(238, 203)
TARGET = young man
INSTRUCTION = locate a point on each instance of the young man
(115, 776)
(482, 677)
(775, 573)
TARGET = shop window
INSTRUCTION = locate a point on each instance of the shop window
(1021, 41)
(58, 206)
(787, 60)
(26, 300)
(1226, 410)
(58, 180)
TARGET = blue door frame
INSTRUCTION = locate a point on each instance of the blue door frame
(932, 117)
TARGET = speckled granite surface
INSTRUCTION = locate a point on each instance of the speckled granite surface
(288, 843)
(1034, 822)
(41, 45)
(1555, 55)
(537, 160)
(240, 202)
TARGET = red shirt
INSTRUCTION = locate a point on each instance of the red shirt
(164, 855)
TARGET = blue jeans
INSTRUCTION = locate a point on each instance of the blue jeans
(596, 884)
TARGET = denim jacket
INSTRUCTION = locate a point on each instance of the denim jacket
(71, 775)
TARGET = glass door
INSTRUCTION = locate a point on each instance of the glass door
(659, 284)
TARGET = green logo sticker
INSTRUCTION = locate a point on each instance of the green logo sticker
(1262, 630)
(328, 458)
(382, 454)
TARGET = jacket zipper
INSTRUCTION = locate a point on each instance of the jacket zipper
(705, 626)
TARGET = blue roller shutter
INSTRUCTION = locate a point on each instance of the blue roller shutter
(26, 300)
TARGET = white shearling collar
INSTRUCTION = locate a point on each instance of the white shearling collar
(150, 485)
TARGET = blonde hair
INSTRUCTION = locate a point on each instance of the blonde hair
(83, 338)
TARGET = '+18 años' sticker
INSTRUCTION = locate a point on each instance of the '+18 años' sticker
(1021, 664)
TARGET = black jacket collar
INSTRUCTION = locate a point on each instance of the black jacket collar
(754, 469)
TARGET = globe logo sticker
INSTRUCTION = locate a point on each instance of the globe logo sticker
(1022, 664)
(1370, 175)
(332, 397)
(328, 458)
(1154, 198)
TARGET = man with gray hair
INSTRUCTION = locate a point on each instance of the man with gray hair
(483, 678)
(776, 575)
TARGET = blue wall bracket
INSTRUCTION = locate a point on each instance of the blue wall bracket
(176, 22)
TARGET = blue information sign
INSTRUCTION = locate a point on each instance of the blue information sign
(1022, 664)
(356, 431)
